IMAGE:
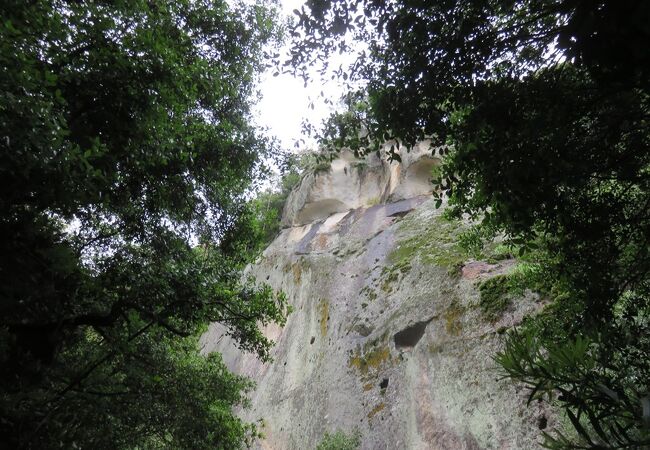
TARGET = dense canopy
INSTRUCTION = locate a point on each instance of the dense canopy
(126, 155)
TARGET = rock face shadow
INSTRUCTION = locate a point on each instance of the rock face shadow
(321, 209)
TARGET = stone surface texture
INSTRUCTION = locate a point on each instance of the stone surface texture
(365, 256)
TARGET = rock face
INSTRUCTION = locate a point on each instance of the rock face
(351, 183)
(386, 336)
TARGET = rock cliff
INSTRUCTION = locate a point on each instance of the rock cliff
(386, 336)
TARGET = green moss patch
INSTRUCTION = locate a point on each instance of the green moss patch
(340, 441)
(497, 293)
(391, 275)
(495, 297)
(435, 242)
(369, 293)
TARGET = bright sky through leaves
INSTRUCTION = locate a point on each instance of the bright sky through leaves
(285, 99)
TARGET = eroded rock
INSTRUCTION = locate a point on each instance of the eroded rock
(352, 183)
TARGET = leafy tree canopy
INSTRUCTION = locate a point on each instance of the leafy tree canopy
(125, 141)
(542, 109)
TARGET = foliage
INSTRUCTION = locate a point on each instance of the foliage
(124, 142)
(264, 213)
(541, 108)
(419, 58)
(267, 210)
(603, 414)
(340, 441)
(314, 161)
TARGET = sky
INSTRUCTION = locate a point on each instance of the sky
(285, 99)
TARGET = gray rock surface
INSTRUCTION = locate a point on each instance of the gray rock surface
(386, 336)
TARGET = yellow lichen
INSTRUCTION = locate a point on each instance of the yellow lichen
(297, 272)
(435, 348)
(452, 319)
(324, 315)
(374, 201)
(369, 360)
(367, 387)
(376, 409)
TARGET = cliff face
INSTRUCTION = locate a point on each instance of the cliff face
(386, 336)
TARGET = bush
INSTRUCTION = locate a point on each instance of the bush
(340, 441)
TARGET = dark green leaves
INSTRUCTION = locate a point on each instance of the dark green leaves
(126, 154)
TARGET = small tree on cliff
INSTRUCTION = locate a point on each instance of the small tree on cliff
(124, 141)
(543, 107)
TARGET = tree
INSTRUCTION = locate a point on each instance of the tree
(542, 111)
(126, 156)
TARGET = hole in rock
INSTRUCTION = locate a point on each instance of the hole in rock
(312, 340)
(542, 422)
(383, 384)
(411, 335)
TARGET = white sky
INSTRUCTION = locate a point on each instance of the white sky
(285, 99)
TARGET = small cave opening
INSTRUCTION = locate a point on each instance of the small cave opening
(383, 384)
(411, 335)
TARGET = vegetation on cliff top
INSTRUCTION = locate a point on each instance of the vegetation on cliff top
(265, 210)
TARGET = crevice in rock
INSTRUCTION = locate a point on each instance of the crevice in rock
(411, 335)
(383, 384)
(400, 213)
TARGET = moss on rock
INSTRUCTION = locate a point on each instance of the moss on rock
(297, 272)
(371, 356)
(435, 244)
(495, 297)
(373, 359)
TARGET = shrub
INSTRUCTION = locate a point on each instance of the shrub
(340, 441)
